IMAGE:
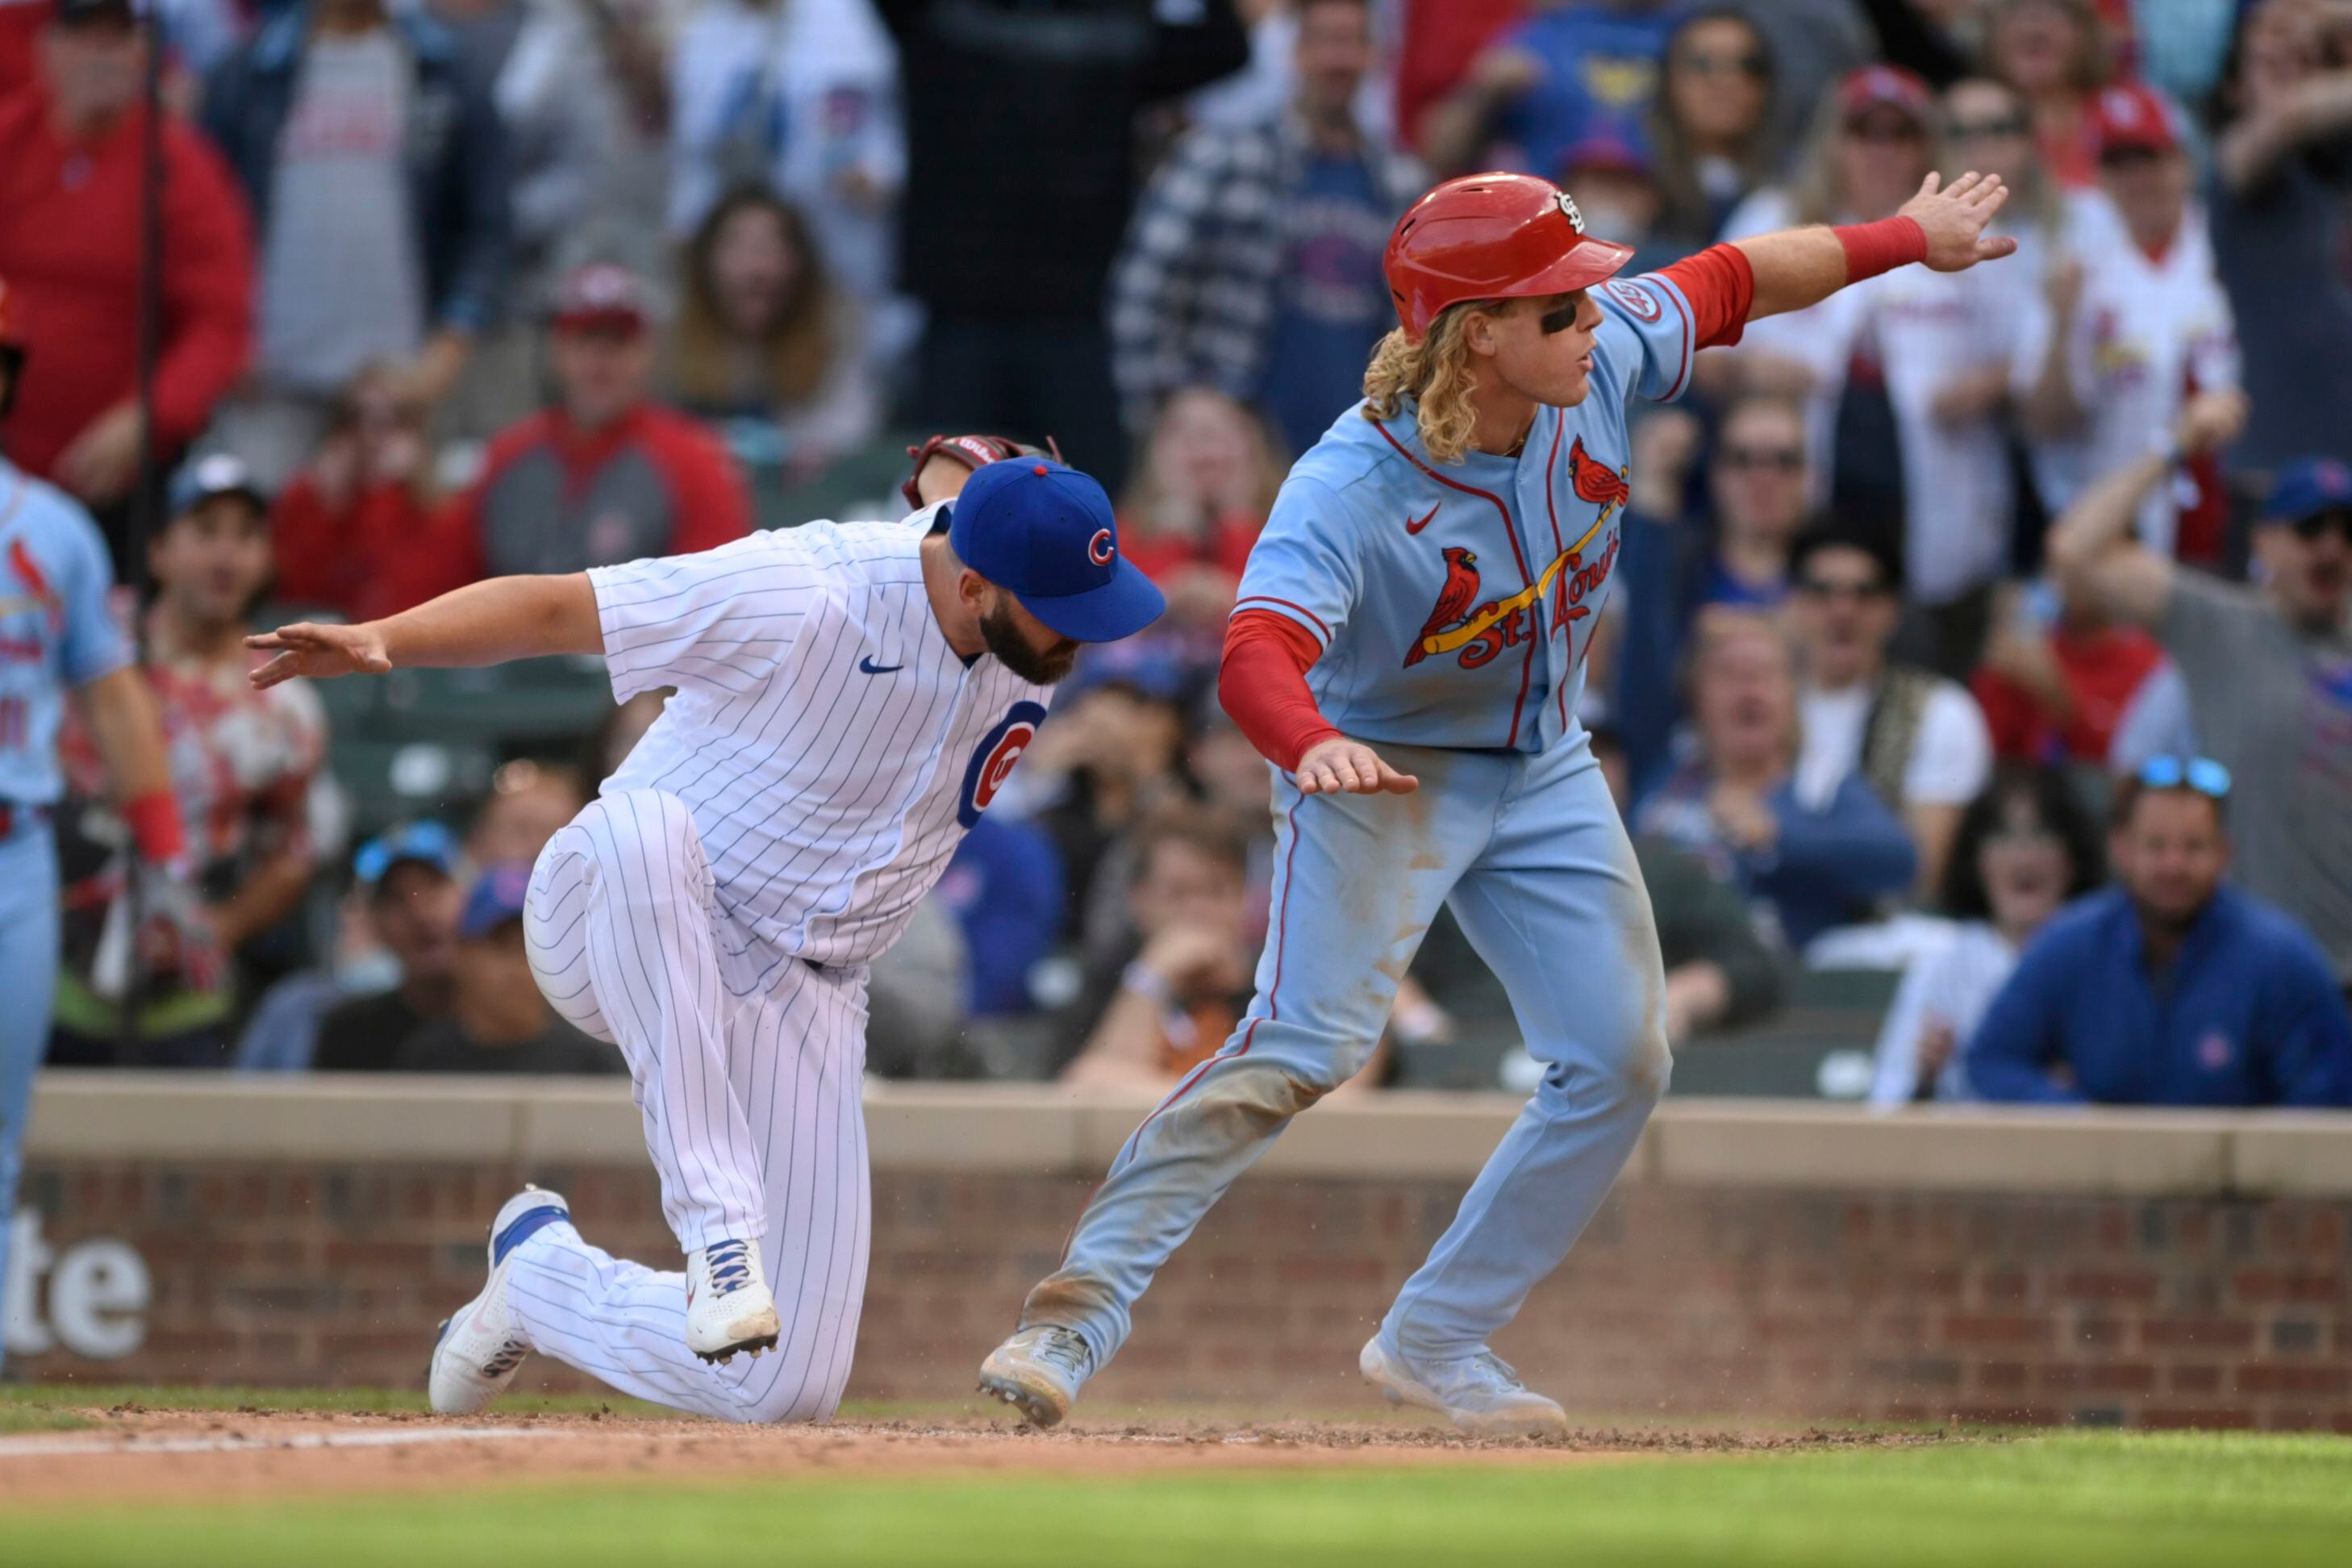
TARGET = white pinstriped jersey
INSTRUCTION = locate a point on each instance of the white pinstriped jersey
(831, 746)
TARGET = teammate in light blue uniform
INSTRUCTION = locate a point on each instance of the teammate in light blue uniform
(1434, 567)
(56, 640)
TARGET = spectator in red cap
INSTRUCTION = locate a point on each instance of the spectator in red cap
(70, 168)
(2108, 355)
(605, 475)
(2054, 54)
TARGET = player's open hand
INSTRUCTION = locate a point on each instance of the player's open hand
(1954, 220)
(1341, 766)
(316, 651)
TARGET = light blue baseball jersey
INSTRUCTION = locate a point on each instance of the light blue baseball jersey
(55, 632)
(1455, 601)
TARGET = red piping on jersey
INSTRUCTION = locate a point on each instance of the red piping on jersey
(1273, 1009)
(1551, 510)
(1526, 581)
(1690, 346)
(1301, 610)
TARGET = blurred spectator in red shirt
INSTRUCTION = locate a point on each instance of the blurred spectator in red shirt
(2058, 678)
(1441, 38)
(346, 526)
(605, 474)
(1199, 500)
(70, 176)
(2054, 54)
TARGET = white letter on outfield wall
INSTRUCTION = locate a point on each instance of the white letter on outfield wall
(97, 1298)
(20, 1322)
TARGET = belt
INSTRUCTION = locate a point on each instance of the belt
(14, 817)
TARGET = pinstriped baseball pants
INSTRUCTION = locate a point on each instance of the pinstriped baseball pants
(752, 1115)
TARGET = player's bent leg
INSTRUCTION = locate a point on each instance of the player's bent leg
(621, 935)
(1358, 879)
(1558, 909)
(28, 973)
(797, 1063)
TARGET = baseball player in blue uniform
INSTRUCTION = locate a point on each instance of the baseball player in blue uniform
(56, 641)
(1407, 650)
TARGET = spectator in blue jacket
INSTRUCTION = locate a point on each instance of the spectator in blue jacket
(2170, 988)
(1734, 801)
(376, 168)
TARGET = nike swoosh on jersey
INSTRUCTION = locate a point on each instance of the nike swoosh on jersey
(1415, 526)
(871, 668)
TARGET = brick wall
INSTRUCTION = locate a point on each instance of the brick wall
(1687, 1299)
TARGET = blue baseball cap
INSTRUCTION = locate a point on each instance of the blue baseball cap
(208, 479)
(1043, 532)
(2308, 487)
(426, 843)
(498, 897)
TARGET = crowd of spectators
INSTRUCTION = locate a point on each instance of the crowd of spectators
(1987, 629)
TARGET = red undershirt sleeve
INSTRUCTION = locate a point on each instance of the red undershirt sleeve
(1262, 682)
(1721, 288)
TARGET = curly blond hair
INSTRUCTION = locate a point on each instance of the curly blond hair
(1435, 373)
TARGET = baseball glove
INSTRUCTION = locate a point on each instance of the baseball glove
(972, 451)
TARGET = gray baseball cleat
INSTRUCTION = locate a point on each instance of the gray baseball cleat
(1039, 1372)
(477, 1347)
(1479, 1394)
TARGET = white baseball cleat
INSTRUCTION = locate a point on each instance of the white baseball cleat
(1039, 1372)
(477, 1347)
(728, 1305)
(1480, 1393)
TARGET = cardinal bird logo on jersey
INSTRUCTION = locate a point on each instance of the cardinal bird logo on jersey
(37, 598)
(1453, 600)
(1595, 481)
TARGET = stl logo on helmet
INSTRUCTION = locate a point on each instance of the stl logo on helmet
(1099, 549)
(1567, 206)
(994, 759)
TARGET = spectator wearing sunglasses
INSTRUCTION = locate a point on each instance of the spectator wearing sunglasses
(1915, 738)
(2111, 350)
(2169, 988)
(2268, 668)
(1675, 561)
(1711, 138)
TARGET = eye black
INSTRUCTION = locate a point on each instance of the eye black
(1560, 319)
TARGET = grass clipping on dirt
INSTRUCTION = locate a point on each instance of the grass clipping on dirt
(2125, 1498)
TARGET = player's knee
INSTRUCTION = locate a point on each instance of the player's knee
(649, 833)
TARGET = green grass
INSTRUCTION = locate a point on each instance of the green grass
(2141, 1500)
(30, 1417)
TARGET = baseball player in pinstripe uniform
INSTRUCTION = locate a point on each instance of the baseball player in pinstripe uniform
(1407, 651)
(849, 699)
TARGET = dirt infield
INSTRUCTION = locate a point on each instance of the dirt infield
(133, 1452)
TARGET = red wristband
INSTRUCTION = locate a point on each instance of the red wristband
(1871, 248)
(154, 820)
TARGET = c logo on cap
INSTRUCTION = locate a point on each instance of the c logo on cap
(992, 760)
(1099, 549)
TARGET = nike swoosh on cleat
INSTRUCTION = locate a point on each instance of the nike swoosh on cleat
(871, 668)
(1413, 525)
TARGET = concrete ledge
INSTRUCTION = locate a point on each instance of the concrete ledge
(1958, 1149)
(1045, 1129)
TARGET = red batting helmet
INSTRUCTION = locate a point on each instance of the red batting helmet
(1491, 237)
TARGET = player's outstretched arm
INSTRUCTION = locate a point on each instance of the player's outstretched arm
(482, 623)
(1942, 228)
